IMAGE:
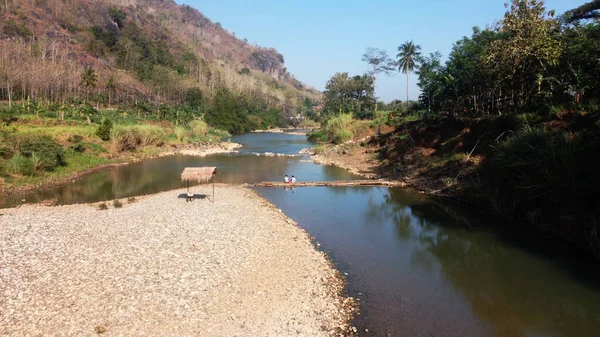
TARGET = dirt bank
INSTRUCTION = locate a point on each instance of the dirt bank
(166, 267)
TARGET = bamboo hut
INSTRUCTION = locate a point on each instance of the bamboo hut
(198, 175)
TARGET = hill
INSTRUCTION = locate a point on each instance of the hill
(135, 52)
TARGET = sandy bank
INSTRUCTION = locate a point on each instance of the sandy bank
(202, 151)
(165, 267)
(297, 133)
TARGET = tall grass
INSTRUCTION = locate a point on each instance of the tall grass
(548, 179)
(198, 128)
(130, 137)
(61, 132)
(536, 168)
(339, 128)
(21, 165)
(180, 133)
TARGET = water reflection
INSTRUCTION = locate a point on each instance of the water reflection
(420, 270)
(161, 174)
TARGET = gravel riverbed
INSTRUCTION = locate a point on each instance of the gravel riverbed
(161, 266)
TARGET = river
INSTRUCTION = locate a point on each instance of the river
(418, 266)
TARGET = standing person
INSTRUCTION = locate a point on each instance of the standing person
(286, 179)
(293, 179)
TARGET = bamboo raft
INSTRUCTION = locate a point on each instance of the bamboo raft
(330, 183)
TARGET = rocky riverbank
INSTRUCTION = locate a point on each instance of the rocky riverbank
(161, 266)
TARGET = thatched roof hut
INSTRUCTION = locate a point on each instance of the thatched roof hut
(198, 174)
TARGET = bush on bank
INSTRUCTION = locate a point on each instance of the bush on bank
(548, 179)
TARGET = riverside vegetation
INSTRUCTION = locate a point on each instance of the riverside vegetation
(509, 124)
(91, 84)
(43, 148)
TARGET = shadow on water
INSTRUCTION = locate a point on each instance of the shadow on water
(423, 268)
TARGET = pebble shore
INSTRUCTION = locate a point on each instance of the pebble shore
(161, 266)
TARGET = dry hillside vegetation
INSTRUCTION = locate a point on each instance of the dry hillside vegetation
(152, 50)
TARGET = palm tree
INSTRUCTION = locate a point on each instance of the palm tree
(89, 79)
(408, 57)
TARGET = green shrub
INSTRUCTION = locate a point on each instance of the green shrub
(103, 206)
(117, 204)
(104, 129)
(198, 128)
(78, 147)
(48, 153)
(318, 136)
(21, 165)
(75, 139)
(218, 133)
(6, 152)
(4, 167)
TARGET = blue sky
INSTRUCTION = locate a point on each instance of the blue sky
(321, 37)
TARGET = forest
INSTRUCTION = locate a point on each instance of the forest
(509, 123)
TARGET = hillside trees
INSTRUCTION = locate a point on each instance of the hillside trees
(137, 57)
(89, 79)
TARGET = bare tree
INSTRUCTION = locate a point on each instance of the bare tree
(380, 62)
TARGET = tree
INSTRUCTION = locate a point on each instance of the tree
(528, 48)
(465, 82)
(380, 62)
(579, 72)
(346, 94)
(429, 73)
(89, 79)
(111, 87)
(590, 10)
(408, 58)
(194, 98)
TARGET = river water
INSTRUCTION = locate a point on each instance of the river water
(419, 267)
